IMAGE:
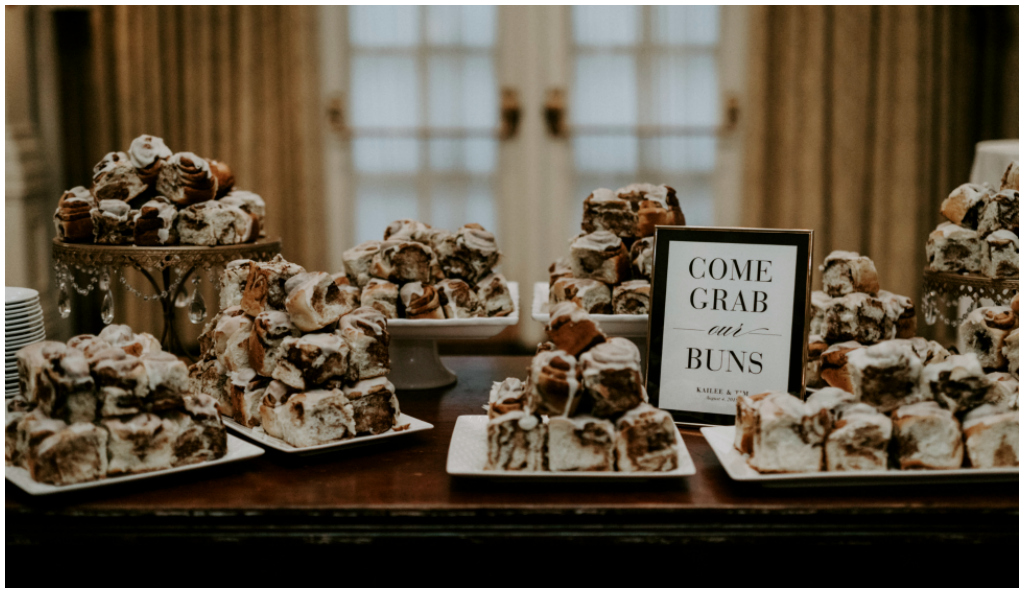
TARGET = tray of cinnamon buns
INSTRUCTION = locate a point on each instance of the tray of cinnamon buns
(433, 283)
(608, 269)
(153, 197)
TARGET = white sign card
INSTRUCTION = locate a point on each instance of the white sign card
(728, 318)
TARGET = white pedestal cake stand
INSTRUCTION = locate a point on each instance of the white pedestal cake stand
(633, 327)
(415, 363)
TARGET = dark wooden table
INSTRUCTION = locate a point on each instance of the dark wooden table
(398, 492)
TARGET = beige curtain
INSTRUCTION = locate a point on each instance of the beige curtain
(236, 83)
(862, 119)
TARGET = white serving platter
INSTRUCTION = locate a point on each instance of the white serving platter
(474, 328)
(624, 326)
(17, 294)
(238, 449)
(467, 456)
(19, 343)
(258, 435)
(735, 463)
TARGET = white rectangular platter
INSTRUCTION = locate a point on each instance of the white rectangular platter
(258, 435)
(238, 450)
(623, 326)
(735, 463)
(467, 456)
(474, 328)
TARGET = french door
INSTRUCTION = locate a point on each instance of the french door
(510, 116)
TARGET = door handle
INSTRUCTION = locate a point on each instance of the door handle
(554, 113)
(511, 113)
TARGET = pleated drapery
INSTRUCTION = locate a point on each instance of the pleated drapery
(862, 119)
(235, 83)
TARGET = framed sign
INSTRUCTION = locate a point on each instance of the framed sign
(728, 317)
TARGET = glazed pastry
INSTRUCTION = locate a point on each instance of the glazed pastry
(572, 329)
(186, 178)
(1005, 390)
(405, 261)
(554, 383)
(265, 286)
(34, 428)
(16, 409)
(991, 436)
(73, 218)
(1002, 212)
(834, 368)
(225, 178)
(113, 222)
(166, 381)
(148, 154)
(900, 316)
(310, 360)
(655, 205)
(208, 376)
(495, 296)
(1011, 352)
(646, 441)
(859, 442)
(610, 373)
(469, 254)
(139, 444)
(1000, 256)
(855, 316)
(1011, 177)
(155, 223)
(951, 248)
(825, 406)
(886, 375)
(957, 383)
(315, 418)
(846, 272)
(74, 454)
(382, 296)
(374, 405)
(780, 443)
(215, 223)
(358, 262)
(116, 335)
(315, 301)
(927, 437)
(592, 296)
(458, 299)
(253, 205)
(269, 329)
(820, 302)
(604, 211)
(509, 396)
(965, 204)
(141, 344)
(275, 396)
(421, 301)
(929, 351)
(247, 389)
(115, 178)
(581, 443)
(632, 298)
(231, 339)
(407, 229)
(815, 348)
(365, 332)
(232, 282)
(984, 332)
(600, 256)
(121, 381)
(66, 390)
(560, 268)
(200, 435)
(641, 257)
(516, 441)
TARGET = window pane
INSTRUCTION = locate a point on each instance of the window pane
(471, 26)
(696, 198)
(381, 201)
(473, 155)
(458, 202)
(684, 25)
(462, 91)
(385, 155)
(605, 92)
(384, 91)
(679, 154)
(608, 154)
(384, 26)
(605, 26)
(684, 90)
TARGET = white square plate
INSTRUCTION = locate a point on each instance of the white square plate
(238, 450)
(735, 463)
(257, 434)
(467, 456)
(623, 326)
(446, 329)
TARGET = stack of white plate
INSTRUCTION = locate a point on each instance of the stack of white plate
(22, 326)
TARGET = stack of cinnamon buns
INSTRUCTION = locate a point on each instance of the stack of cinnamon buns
(151, 196)
(583, 407)
(904, 404)
(421, 272)
(106, 405)
(293, 352)
(982, 232)
(609, 266)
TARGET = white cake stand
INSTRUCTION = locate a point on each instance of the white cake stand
(633, 327)
(415, 363)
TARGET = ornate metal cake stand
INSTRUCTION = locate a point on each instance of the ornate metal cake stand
(174, 265)
(943, 291)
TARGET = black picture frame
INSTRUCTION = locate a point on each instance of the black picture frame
(802, 239)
